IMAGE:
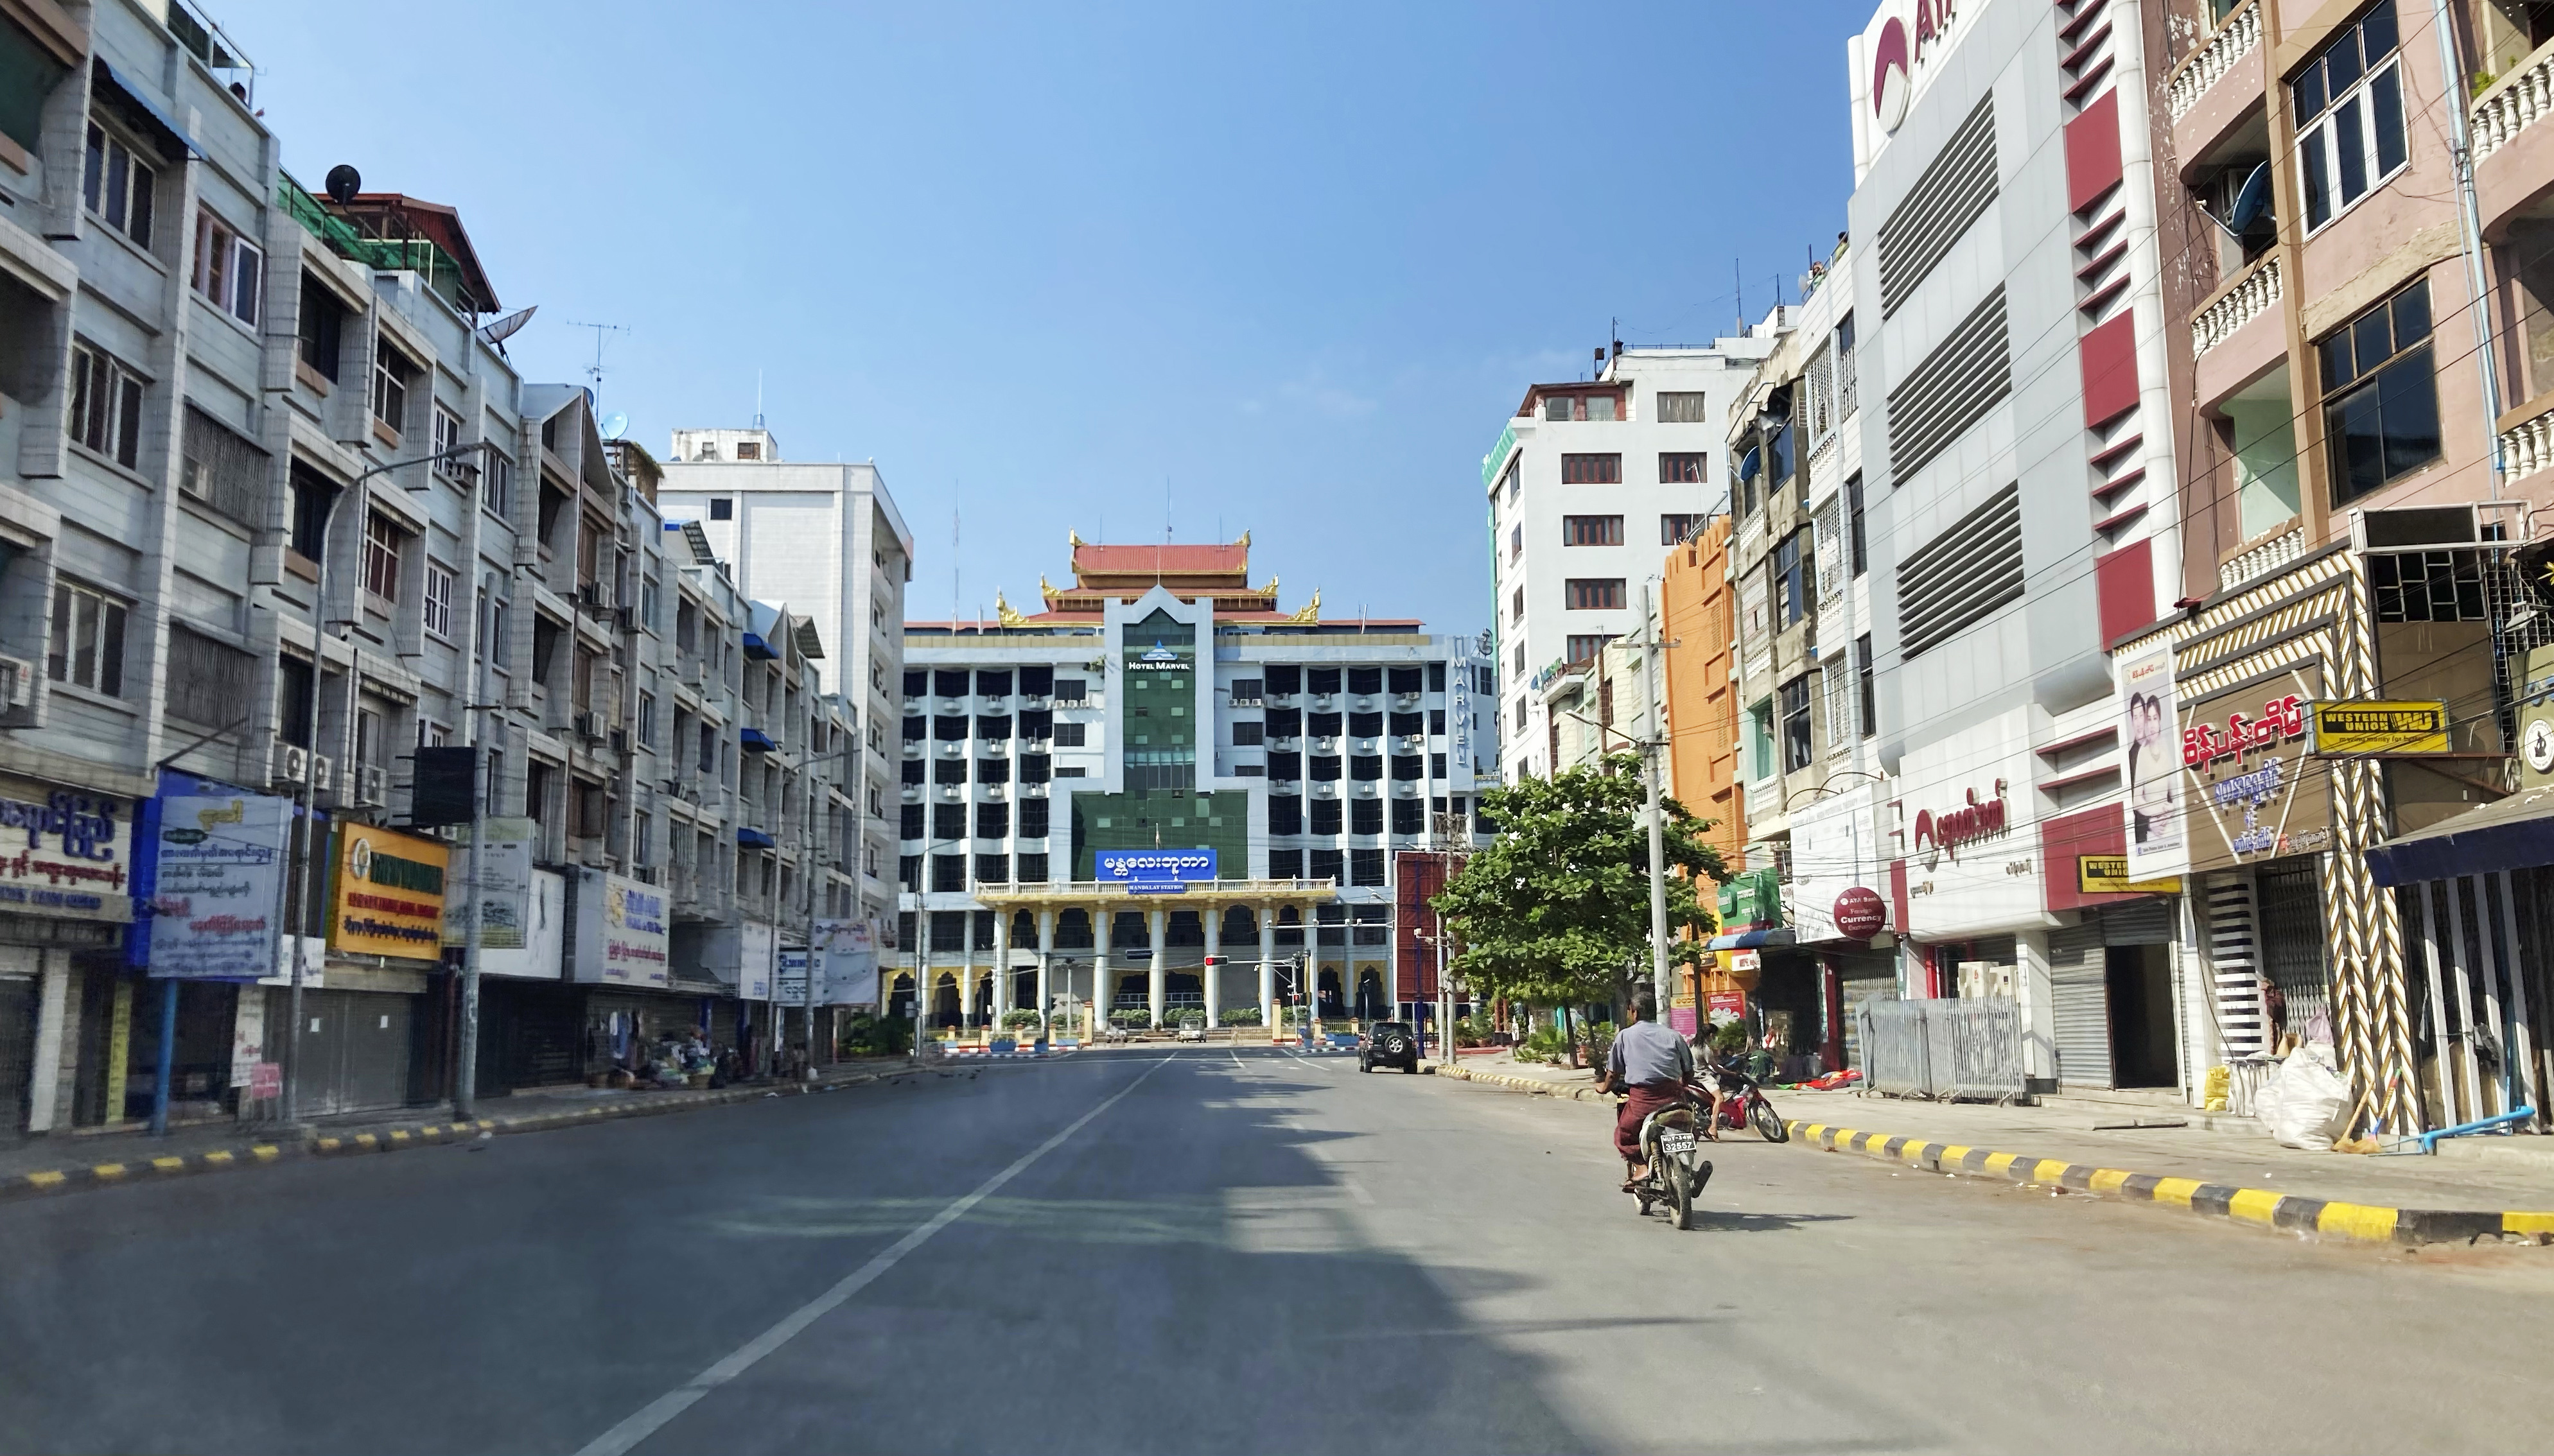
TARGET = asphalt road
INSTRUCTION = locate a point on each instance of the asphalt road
(1141, 1251)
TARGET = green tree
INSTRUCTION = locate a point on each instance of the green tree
(1557, 909)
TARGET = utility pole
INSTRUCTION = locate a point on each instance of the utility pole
(1652, 744)
(465, 1084)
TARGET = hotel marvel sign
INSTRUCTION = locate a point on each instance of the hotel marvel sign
(62, 854)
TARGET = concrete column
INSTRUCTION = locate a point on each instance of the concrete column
(53, 1013)
(1001, 964)
(1160, 921)
(1046, 953)
(1211, 920)
(2033, 987)
(1099, 989)
(1267, 963)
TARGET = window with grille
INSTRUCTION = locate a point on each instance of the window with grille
(993, 820)
(993, 870)
(1682, 407)
(948, 873)
(106, 405)
(1592, 594)
(1327, 817)
(439, 604)
(1856, 546)
(1591, 470)
(1585, 530)
(2349, 108)
(948, 821)
(221, 468)
(496, 494)
(911, 826)
(116, 184)
(1581, 647)
(1796, 736)
(1675, 527)
(1034, 819)
(208, 680)
(1367, 817)
(1681, 467)
(383, 541)
(1793, 573)
(88, 648)
(230, 271)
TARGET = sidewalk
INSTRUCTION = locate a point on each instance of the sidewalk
(92, 1159)
(2474, 1187)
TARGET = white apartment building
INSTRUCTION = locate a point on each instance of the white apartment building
(826, 542)
(1586, 485)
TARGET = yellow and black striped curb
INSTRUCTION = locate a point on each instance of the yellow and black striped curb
(1574, 1091)
(394, 1139)
(2359, 1222)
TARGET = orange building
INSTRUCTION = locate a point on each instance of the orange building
(1701, 625)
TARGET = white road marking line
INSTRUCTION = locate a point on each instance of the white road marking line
(653, 1416)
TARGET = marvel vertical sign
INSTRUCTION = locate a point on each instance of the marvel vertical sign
(1894, 59)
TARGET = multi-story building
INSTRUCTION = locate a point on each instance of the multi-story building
(1799, 571)
(282, 520)
(1585, 485)
(827, 543)
(1161, 702)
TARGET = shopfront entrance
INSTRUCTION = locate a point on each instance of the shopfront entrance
(2139, 986)
(355, 1052)
(19, 999)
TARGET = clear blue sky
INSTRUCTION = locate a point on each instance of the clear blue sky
(1296, 261)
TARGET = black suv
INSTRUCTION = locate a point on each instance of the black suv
(1389, 1043)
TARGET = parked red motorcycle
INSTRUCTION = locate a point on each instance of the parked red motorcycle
(1742, 1101)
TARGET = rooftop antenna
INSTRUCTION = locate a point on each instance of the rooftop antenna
(594, 371)
(758, 398)
(1739, 281)
(954, 597)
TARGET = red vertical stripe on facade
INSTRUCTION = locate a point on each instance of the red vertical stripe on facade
(2109, 356)
(2093, 152)
(2125, 581)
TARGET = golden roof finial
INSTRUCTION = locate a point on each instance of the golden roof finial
(1271, 588)
(1244, 542)
(1312, 612)
(1002, 610)
(1071, 536)
(1044, 590)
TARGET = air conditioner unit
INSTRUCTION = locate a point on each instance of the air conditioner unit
(997, 791)
(589, 595)
(372, 785)
(1367, 745)
(996, 748)
(1412, 742)
(1407, 700)
(626, 618)
(17, 682)
(952, 749)
(913, 793)
(1366, 789)
(324, 777)
(1983, 979)
(952, 704)
(1325, 700)
(290, 764)
(585, 725)
(953, 791)
(1034, 791)
(2408, 529)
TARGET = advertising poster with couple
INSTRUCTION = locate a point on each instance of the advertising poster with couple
(2159, 843)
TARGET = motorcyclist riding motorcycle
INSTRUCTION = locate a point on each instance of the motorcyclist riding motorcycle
(1651, 1066)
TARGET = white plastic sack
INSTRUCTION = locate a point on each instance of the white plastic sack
(2307, 1103)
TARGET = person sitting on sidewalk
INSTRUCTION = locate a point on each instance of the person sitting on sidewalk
(1650, 1065)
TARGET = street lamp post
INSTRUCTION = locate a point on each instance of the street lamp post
(298, 882)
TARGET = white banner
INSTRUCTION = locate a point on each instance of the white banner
(505, 895)
(220, 863)
(621, 930)
(2159, 840)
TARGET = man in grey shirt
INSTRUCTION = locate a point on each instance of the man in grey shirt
(1650, 1065)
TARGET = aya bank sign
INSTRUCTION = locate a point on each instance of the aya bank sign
(1975, 818)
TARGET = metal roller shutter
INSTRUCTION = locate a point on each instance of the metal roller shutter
(18, 1003)
(2291, 936)
(2138, 923)
(1855, 993)
(1998, 948)
(2080, 1003)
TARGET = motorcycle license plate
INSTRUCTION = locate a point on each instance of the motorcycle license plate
(1676, 1142)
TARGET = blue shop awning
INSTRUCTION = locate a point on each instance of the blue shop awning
(130, 92)
(755, 740)
(2516, 832)
(1751, 940)
(753, 838)
(756, 649)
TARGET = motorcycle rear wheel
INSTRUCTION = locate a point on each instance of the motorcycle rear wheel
(1769, 1126)
(1679, 1194)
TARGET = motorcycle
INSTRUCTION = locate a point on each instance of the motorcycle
(1672, 1145)
(1742, 1101)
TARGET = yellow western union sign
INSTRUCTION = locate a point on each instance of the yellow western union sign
(2108, 874)
(2371, 726)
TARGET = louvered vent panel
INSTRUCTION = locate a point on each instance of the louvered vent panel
(1961, 575)
(1952, 193)
(1951, 390)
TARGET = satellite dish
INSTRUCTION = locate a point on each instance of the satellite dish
(2253, 203)
(614, 425)
(506, 327)
(344, 182)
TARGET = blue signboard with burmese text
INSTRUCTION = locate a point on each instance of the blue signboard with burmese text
(1154, 871)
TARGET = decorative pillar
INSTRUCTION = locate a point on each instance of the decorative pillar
(1160, 921)
(1099, 990)
(1002, 966)
(1046, 953)
(1211, 971)
(1268, 965)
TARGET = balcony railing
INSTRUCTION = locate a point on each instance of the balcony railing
(2205, 66)
(2237, 304)
(2513, 103)
(2528, 446)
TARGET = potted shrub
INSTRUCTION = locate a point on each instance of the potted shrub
(1240, 1016)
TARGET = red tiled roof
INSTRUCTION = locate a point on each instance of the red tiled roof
(1231, 559)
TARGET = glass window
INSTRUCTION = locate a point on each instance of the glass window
(116, 184)
(1591, 530)
(2349, 108)
(381, 542)
(88, 648)
(1588, 594)
(1681, 407)
(1795, 724)
(1681, 467)
(1591, 470)
(439, 598)
(2381, 398)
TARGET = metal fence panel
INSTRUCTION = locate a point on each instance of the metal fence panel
(1944, 1049)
